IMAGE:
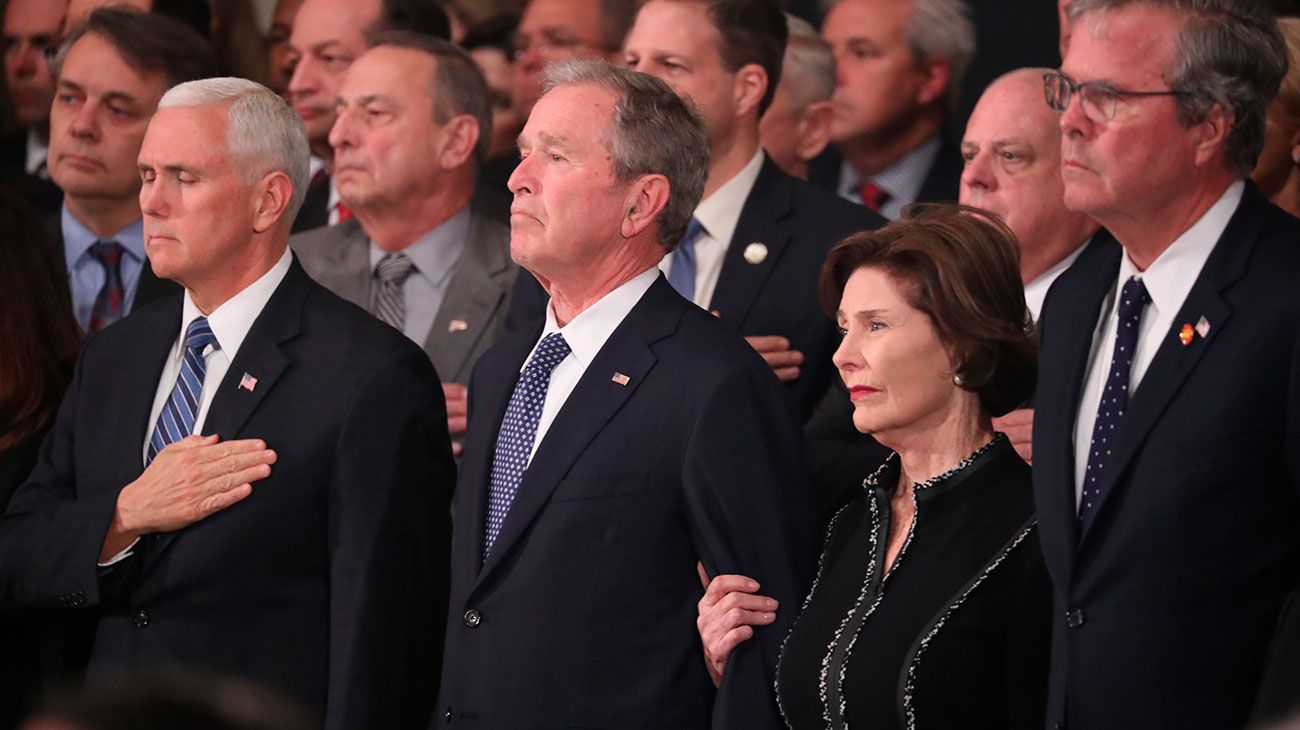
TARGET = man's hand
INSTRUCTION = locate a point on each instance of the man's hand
(457, 397)
(1019, 428)
(728, 612)
(186, 482)
(776, 351)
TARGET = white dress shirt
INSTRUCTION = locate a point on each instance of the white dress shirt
(1036, 290)
(230, 323)
(586, 334)
(37, 152)
(718, 214)
(1168, 280)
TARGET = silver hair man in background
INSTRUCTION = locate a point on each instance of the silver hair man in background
(797, 126)
(259, 488)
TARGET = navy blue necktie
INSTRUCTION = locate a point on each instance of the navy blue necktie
(682, 273)
(177, 418)
(1133, 298)
(518, 430)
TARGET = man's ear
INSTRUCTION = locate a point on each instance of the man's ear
(1212, 133)
(748, 88)
(272, 200)
(814, 130)
(646, 200)
(936, 77)
(459, 138)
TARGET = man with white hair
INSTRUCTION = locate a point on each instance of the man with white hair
(796, 128)
(261, 488)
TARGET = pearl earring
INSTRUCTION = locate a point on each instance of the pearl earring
(958, 380)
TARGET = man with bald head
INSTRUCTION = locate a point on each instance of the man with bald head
(1012, 153)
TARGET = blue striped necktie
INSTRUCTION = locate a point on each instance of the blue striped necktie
(177, 418)
(682, 273)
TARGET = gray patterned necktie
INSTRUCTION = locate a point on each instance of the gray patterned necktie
(387, 300)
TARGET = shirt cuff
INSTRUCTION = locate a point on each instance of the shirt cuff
(123, 555)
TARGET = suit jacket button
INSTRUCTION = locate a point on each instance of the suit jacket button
(447, 715)
(1074, 618)
(473, 618)
(141, 619)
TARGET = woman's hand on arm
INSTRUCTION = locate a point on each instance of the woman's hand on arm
(727, 612)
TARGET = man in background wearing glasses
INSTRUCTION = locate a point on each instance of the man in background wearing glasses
(1168, 408)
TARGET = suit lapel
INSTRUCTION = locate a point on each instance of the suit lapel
(140, 366)
(1173, 361)
(741, 280)
(259, 356)
(346, 270)
(472, 298)
(591, 405)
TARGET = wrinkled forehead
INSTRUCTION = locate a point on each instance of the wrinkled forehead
(1131, 47)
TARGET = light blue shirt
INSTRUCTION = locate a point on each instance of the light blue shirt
(435, 255)
(86, 275)
(902, 180)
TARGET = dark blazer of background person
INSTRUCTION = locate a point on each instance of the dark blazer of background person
(797, 224)
(38, 345)
(1196, 542)
(473, 310)
(327, 582)
(696, 457)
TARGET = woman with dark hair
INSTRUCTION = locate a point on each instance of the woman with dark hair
(38, 339)
(38, 344)
(931, 606)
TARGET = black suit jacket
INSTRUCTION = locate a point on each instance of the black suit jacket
(798, 224)
(584, 613)
(327, 582)
(1166, 602)
(315, 210)
(941, 183)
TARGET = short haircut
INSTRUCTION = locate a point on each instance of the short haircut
(961, 267)
(147, 42)
(264, 135)
(458, 84)
(753, 31)
(417, 16)
(944, 29)
(653, 131)
(1230, 54)
(496, 32)
(616, 19)
(197, 14)
(1288, 94)
(809, 65)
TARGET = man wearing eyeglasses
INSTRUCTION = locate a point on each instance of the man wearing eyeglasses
(1166, 471)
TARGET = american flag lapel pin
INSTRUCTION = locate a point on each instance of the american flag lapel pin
(621, 379)
(248, 382)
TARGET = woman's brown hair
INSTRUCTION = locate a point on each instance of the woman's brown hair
(38, 333)
(961, 267)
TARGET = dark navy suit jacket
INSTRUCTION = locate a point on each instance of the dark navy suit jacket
(798, 223)
(1167, 601)
(328, 582)
(583, 614)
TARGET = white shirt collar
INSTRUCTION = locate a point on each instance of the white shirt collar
(1036, 290)
(902, 180)
(1170, 277)
(588, 332)
(231, 321)
(37, 151)
(720, 212)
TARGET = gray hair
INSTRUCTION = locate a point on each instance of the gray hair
(458, 84)
(943, 29)
(1230, 54)
(653, 131)
(809, 61)
(265, 135)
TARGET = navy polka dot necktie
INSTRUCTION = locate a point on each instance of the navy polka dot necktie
(1133, 298)
(518, 430)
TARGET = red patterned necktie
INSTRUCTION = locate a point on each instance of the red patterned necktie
(108, 304)
(873, 196)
